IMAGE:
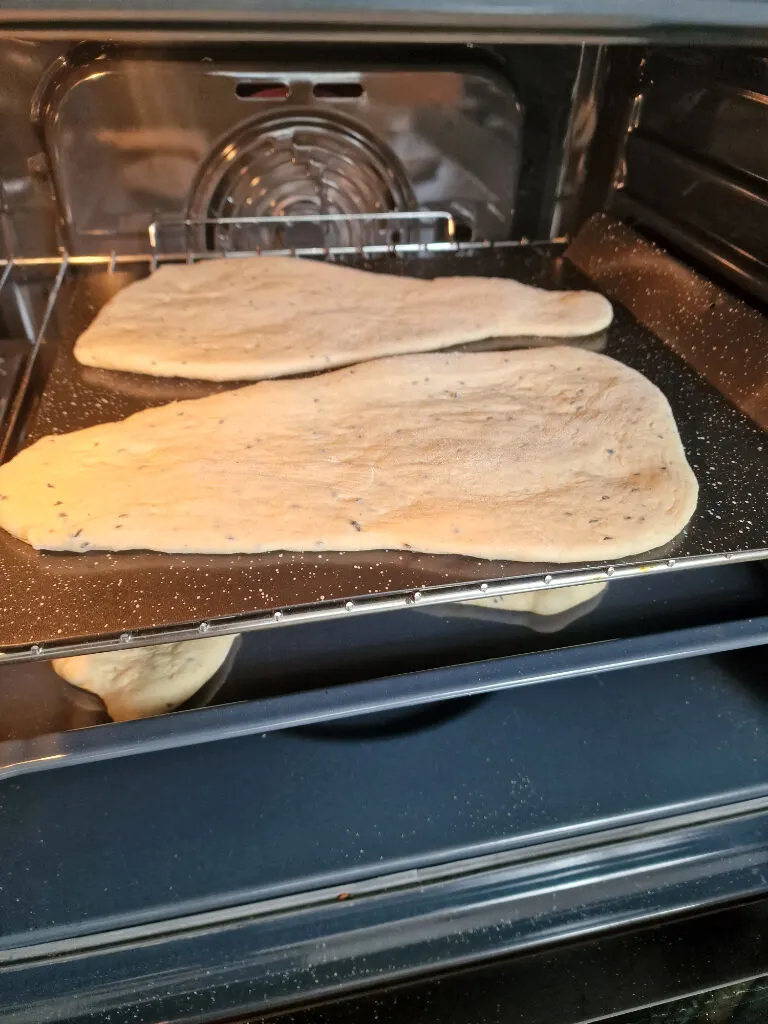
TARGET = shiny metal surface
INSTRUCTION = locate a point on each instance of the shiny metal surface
(478, 21)
(299, 163)
(37, 75)
(582, 121)
(66, 603)
(29, 214)
(295, 664)
(25, 295)
(694, 165)
(133, 136)
(199, 238)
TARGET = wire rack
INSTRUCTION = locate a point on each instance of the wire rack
(157, 255)
(189, 231)
(440, 221)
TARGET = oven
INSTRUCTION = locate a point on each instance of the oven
(421, 787)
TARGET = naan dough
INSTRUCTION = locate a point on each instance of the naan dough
(248, 319)
(145, 681)
(545, 455)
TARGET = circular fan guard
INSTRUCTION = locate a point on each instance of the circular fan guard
(300, 164)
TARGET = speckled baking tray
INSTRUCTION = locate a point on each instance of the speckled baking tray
(65, 603)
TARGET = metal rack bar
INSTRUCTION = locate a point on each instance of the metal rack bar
(419, 216)
(375, 603)
(21, 390)
(7, 269)
(112, 259)
(390, 693)
(52, 298)
(279, 223)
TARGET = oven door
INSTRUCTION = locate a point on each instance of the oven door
(695, 970)
(266, 853)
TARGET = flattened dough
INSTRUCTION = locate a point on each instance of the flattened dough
(535, 455)
(270, 316)
(145, 681)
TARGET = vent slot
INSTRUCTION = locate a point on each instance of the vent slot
(337, 90)
(262, 90)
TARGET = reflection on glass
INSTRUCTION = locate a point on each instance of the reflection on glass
(744, 1003)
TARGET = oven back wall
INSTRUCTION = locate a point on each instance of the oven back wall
(100, 140)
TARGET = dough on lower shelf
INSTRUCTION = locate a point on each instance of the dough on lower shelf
(543, 611)
(552, 601)
(145, 681)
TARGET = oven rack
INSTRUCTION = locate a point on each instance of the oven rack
(60, 605)
(13, 391)
(189, 230)
(157, 255)
(114, 260)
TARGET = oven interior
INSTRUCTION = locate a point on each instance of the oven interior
(389, 778)
(638, 171)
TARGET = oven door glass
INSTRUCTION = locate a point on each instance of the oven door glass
(744, 1003)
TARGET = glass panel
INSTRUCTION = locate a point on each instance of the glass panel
(745, 1003)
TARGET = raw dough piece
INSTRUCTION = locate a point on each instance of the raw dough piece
(145, 681)
(248, 319)
(545, 455)
(552, 601)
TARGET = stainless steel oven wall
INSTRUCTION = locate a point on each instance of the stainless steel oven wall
(134, 135)
(694, 170)
(28, 212)
(29, 216)
(97, 140)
